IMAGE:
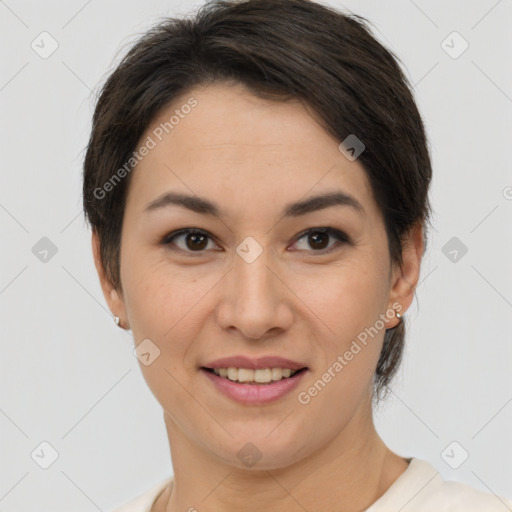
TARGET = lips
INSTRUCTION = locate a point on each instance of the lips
(255, 394)
(286, 375)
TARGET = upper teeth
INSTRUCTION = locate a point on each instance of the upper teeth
(248, 375)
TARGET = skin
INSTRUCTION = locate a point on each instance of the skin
(253, 157)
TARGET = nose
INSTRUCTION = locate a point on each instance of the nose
(255, 301)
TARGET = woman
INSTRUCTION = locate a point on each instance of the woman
(257, 185)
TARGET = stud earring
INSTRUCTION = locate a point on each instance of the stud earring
(117, 321)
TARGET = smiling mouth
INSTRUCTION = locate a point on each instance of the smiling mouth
(263, 376)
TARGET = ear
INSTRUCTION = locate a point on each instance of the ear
(112, 295)
(405, 278)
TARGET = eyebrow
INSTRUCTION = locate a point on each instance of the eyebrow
(206, 207)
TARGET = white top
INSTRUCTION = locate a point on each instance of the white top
(420, 488)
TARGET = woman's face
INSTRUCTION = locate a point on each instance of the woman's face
(254, 282)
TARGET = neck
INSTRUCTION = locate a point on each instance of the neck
(347, 474)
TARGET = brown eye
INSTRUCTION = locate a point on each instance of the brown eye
(318, 239)
(188, 240)
(196, 241)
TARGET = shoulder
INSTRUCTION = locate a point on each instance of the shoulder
(422, 489)
(143, 502)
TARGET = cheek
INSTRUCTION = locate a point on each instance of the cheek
(162, 303)
(348, 299)
(346, 296)
(162, 299)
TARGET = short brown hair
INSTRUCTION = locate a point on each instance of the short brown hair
(278, 49)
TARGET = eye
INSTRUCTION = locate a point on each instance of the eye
(196, 240)
(193, 240)
(318, 238)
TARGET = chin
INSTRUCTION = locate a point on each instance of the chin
(260, 452)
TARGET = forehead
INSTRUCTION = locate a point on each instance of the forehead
(233, 145)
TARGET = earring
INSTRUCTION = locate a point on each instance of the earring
(399, 316)
(117, 321)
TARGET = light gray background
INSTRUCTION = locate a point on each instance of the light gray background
(68, 375)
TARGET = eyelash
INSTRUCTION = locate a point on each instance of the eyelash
(336, 233)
